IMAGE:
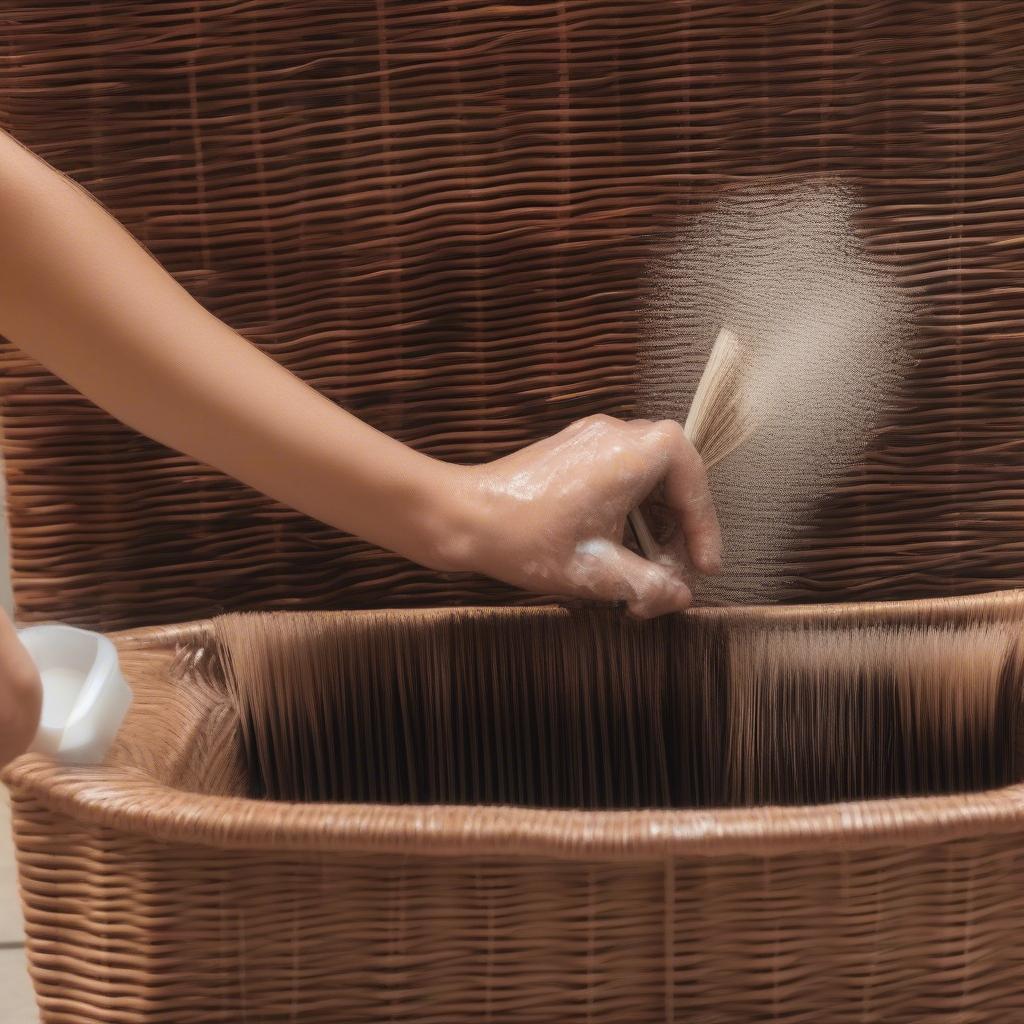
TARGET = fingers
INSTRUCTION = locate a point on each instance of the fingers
(688, 496)
(593, 473)
(607, 571)
(647, 453)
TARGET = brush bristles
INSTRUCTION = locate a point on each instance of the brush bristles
(720, 418)
(592, 710)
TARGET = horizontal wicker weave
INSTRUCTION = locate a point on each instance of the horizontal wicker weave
(439, 213)
(156, 891)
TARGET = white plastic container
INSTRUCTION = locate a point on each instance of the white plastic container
(85, 696)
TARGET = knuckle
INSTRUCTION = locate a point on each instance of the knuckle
(584, 421)
(671, 435)
(670, 428)
(598, 423)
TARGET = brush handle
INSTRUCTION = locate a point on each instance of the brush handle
(642, 532)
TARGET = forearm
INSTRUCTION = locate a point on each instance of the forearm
(81, 296)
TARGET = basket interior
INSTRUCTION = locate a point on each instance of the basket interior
(581, 709)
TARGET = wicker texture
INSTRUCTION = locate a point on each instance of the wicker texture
(344, 937)
(440, 215)
(155, 890)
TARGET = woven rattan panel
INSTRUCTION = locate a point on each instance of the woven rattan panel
(439, 213)
(462, 940)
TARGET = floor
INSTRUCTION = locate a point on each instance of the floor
(17, 1004)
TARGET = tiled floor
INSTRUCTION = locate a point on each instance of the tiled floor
(17, 1004)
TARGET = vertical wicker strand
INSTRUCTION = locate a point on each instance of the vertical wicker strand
(669, 940)
(391, 202)
(201, 205)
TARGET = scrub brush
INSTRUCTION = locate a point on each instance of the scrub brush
(721, 417)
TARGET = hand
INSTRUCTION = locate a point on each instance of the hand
(21, 694)
(550, 518)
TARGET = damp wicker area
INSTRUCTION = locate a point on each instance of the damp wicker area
(227, 863)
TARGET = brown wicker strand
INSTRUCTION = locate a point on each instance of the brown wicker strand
(443, 216)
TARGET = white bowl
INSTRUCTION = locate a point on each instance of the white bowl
(85, 696)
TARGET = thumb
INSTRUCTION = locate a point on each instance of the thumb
(607, 571)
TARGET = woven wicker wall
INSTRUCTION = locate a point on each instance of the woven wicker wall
(439, 214)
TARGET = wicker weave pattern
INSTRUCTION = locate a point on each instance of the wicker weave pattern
(171, 932)
(439, 214)
(154, 890)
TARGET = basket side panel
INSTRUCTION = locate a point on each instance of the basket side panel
(912, 936)
(440, 216)
(124, 931)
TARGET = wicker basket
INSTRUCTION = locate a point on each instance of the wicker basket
(439, 213)
(155, 889)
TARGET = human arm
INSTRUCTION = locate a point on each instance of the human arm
(81, 296)
(21, 694)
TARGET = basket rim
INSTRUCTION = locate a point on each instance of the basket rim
(123, 800)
